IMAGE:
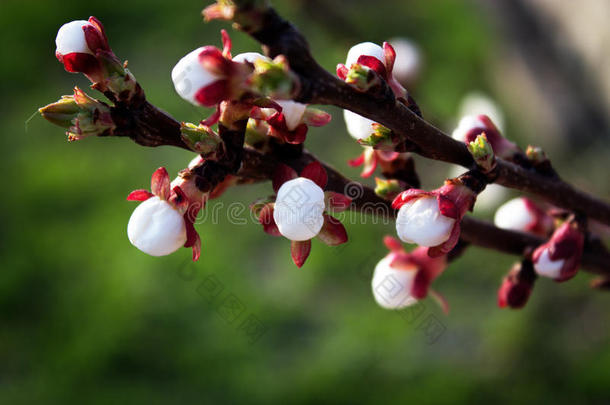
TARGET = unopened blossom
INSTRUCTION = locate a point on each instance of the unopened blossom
(156, 227)
(432, 218)
(522, 214)
(487, 200)
(401, 279)
(78, 43)
(299, 206)
(471, 126)
(517, 286)
(300, 210)
(559, 258)
(206, 76)
(163, 222)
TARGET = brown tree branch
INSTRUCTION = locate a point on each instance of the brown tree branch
(317, 86)
(258, 167)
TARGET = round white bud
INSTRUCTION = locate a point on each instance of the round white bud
(392, 287)
(71, 38)
(189, 76)
(420, 221)
(298, 209)
(156, 228)
(514, 215)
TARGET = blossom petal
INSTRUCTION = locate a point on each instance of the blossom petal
(300, 251)
(139, 195)
(316, 173)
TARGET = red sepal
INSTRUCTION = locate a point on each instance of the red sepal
(392, 244)
(95, 40)
(79, 62)
(192, 239)
(449, 244)
(337, 202)
(226, 43)
(300, 251)
(212, 119)
(139, 195)
(407, 195)
(265, 217)
(282, 174)
(159, 183)
(213, 93)
(98, 24)
(297, 136)
(357, 161)
(316, 173)
(214, 61)
(333, 232)
(342, 71)
(447, 207)
(374, 64)
(390, 56)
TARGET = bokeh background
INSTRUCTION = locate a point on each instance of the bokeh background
(87, 318)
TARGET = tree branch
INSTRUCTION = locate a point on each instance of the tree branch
(317, 86)
(258, 167)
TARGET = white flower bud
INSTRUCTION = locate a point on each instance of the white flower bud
(514, 215)
(189, 76)
(364, 48)
(420, 221)
(408, 59)
(467, 123)
(392, 287)
(298, 209)
(546, 267)
(71, 38)
(293, 112)
(250, 57)
(358, 126)
(156, 228)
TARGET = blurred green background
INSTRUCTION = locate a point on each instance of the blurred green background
(87, 318)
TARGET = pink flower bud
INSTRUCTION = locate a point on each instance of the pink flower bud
(432, 218)
(522, 214)
(78, 43)
(517, 286)
(559, 258)
(156, 228)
